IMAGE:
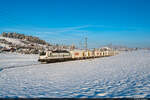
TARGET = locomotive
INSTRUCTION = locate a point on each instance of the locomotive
(66, 55)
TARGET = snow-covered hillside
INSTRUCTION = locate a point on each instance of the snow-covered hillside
(124, 75)
(9, 44)
(13, 41)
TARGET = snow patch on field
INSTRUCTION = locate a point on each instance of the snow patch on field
(123, 75)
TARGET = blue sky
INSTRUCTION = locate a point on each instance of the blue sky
(120, 22)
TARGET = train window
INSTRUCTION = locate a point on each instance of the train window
(60, 51)
(49, 54)
(42, 53)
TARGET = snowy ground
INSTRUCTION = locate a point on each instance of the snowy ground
(124, 75)
(10, 60)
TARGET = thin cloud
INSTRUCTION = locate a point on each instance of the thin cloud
(44, 30)
(53, 31)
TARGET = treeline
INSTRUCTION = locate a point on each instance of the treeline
(22, 36)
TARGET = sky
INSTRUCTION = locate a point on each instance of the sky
(103, 22)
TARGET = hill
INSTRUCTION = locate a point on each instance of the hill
(16, 42)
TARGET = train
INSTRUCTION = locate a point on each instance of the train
(52, 56)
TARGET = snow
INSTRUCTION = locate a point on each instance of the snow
(14, 41)
(123, 75)
(4, 45)
(9, 60)
(18, 42)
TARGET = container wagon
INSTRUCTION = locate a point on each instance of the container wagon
(64, 55)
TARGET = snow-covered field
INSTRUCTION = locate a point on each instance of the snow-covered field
(11, 60)
(123, 75)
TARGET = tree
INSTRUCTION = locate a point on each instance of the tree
(4, 34)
